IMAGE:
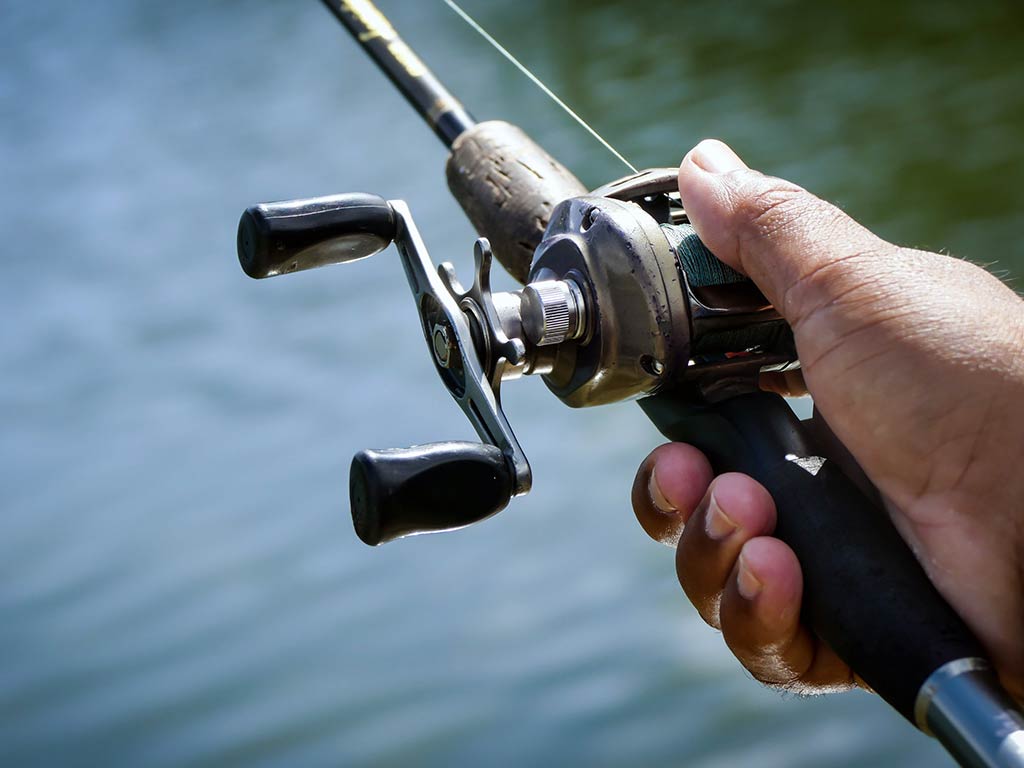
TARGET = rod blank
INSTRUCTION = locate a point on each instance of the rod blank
(434, 103)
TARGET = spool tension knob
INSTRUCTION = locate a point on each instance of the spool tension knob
(553, 311)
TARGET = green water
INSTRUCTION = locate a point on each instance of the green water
(179, 584)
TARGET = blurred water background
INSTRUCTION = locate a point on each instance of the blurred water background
(179, 580)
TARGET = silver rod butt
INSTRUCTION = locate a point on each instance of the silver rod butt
(965, 708)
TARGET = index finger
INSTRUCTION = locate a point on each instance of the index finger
(669, 485)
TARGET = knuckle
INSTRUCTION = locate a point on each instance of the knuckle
(707, 600)
(708, 604)
(787, 682)
(768, 666)
(710, 610)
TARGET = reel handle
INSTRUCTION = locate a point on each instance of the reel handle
(293, 235)
(864, 591)
(426, 488)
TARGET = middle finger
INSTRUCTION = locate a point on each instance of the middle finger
(735, 509)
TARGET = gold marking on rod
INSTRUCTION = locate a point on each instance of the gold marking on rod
(403, 54)
(536, 81)
(440, 107)
(375, 22)
(377, 25)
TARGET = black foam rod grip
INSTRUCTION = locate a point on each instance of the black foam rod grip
(290, 236)
(427, 488)
(865, 593)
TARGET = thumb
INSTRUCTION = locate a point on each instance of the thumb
(780, 235)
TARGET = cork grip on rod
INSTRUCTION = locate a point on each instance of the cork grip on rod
(508, 186)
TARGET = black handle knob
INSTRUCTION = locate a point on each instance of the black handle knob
(289, 236)
(437, 487)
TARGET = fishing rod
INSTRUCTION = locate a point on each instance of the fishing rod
(621, 300)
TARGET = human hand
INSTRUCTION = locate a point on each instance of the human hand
(914, 360)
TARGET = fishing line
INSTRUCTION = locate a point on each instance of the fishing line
(536, 81)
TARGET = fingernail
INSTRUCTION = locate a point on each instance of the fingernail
(716, 157)
(657, 497)
(717, 524)
(747, 583)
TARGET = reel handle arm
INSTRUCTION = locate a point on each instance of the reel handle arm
(435, 487)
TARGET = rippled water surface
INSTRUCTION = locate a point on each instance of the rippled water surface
(179, 583)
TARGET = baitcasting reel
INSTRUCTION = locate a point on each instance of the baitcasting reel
(622, 302)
